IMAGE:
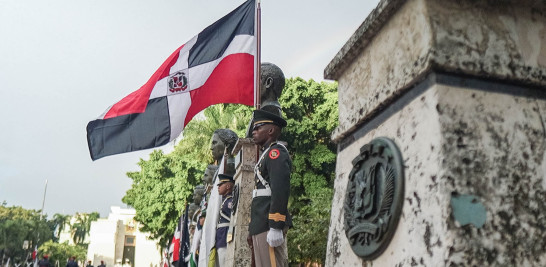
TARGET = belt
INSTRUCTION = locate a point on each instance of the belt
(220, 225)
(261, 192)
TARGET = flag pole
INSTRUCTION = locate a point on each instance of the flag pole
(43, 200)
(35, 252)
(258, 54)
(257, 105)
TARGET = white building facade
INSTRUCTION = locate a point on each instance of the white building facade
(117, 241)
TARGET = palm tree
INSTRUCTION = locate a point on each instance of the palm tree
(80, 229)
(60, 221)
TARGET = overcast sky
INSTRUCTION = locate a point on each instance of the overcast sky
(63, 62)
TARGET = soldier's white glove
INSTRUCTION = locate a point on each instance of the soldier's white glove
(275, 237)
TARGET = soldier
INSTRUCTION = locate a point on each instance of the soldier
(269, 212)
(225, 188)
(72, 262)
(44, 262)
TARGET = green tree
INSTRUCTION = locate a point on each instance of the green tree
(61, 252)
(60, 221)
(16, 226)
(311, 111)
(80, 229)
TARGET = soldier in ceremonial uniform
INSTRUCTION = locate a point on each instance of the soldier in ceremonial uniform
(44, 262)
(72, 262)
(225, 188)
(269, 211)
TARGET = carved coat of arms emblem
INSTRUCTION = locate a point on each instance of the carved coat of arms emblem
(178, 82)
(374, 197)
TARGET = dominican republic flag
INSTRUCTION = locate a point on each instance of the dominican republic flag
(216, 66)
(175, 244)
(184, 241)
(35, 256)
(166, 257)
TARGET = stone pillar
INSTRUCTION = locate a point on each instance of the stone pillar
(458, 86)
(237, 252)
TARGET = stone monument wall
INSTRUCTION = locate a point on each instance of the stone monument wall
(459, 87)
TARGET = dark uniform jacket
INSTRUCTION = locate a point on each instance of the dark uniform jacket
(43, 263)
(72, 263)
(223, 222)
(272, 211)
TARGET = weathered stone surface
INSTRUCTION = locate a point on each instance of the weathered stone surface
(393, 58)
(496, 39)
(470, 134)
(460, 141)
(361, 38)
(401, 41)
(494, 147)
(238, 252)
(420, 235)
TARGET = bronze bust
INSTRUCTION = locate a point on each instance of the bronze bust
(222, 139)
(271, 85)
(209, 174)
(198, 192)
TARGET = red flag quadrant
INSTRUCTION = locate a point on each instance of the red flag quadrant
(216, 66)
(176, 243)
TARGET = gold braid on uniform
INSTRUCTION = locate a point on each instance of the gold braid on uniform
(277, 217)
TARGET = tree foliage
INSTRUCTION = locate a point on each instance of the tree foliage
(81, 227)
(16, 226)
(165, 182)
(61, 252)
(59, 221)
(311, 111)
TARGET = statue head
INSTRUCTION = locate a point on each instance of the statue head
(198, 192)
(192, 209)
(209, 174)
(271, 82)
(271, 86)
(221, 139)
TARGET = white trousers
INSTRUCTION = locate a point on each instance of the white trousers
(221, 257)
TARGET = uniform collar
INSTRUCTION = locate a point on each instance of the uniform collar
(266, 146)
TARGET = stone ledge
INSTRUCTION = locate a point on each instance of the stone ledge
(360, 39)
(398, 45)
(239, 145)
